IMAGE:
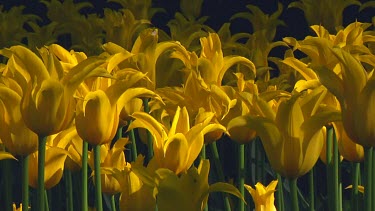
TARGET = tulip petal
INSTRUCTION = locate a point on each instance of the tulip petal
(226, 188)
(116, 59)
(176, 153)
(88, 68)
(229, 61)
(28, 60)
(306, 72)
(331, 81)
(146, 121)
(353, 74)
(6, 155)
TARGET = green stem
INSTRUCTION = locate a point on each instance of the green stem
(41, 161)
(98, 189)
(368, 178)
(7, 174)
(335, 179)
(69, 189)
(372, 182)
(280, 193)
(84, 176)
(294, 194)
(113, 204)
(355, 178)
(25, 182)
(329, 166)
(241, 175)
(150, 151)
(133, 144)
(217, 164)
(312, 190)
(203, 156)
(46, 200)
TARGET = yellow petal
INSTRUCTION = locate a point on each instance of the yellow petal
(6, 155)
(176, 153)
(28, 60)
(97, 119)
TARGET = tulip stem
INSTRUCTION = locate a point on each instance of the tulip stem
(311, 190)
(134, 152)
(98, 190)
(294, 194)
(46, 200)
(335, 179)
(355, 177)
(25, 182)
(329, 166)
(41, 161)
(219, 171)
(280, 194)
(7, 172)
(203, 157)
(241, 175)
(84, 177)
(150, 151)
(113, 204)
(69, 189)
(368, 178)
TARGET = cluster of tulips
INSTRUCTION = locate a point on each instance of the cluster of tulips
(132, 110)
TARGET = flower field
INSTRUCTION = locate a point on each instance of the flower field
(107, 108)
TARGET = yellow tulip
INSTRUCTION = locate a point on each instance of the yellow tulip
(97, 117)
(47, 105)
(294, 138)
(15, 135)
(348, 149)
(175, 148)
(354, 90)
(327, 13)
(54, 167)
(189, 191)
(110, 158)
(134, 194)
(263, 197)
(19, 208)
(70, 141)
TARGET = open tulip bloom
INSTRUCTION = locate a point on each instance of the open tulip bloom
(162, 118)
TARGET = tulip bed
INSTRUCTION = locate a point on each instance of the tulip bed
(186, 117)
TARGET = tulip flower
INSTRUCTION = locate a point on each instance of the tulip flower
(135, 195)
(54, 167)
(98, 113)
(47, 105)
(263, 197)
(175, 148)
(353, 91)
(326, 13)
(294, 138)
(110, 158)
(70, 141)
(16, 136)
(189, 191)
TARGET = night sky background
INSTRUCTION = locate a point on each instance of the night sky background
(219, 12)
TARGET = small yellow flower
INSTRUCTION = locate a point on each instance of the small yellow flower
(263, 196)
